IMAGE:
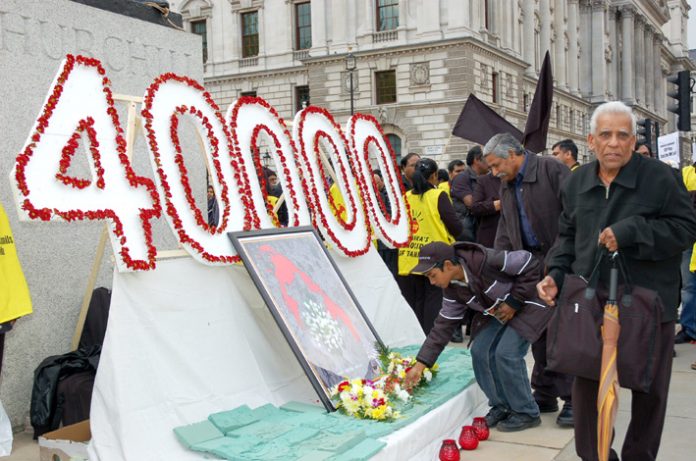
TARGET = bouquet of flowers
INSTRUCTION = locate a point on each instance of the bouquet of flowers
(397, 366)
(365, 399)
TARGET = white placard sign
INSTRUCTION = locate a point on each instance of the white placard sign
(668, 148)
(79, 109)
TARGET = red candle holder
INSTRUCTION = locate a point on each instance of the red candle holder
(468, 439)
(449, 451)
(481, 428)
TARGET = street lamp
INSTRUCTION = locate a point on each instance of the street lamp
(350, 67)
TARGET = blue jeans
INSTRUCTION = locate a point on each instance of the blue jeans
(498, 357)
(687, 319)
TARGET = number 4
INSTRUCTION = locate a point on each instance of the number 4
(80, 103)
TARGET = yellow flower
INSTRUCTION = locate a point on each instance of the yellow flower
(377, 413)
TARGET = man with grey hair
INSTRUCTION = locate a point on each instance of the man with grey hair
(637, 206)
(530, 206)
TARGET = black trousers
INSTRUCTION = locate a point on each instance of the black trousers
(647, 410)
(548, 385)
(424, 298)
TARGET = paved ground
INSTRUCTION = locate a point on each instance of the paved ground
(548, 441)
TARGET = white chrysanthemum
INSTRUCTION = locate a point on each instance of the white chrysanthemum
(427, 375)
(351, 406)
(401, 394)
(324, 329)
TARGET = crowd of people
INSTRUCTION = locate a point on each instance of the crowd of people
(495, 233)
(524, 222)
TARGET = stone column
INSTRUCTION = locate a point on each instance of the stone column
(236, 43)
(528, 36)
(318, 18)
(477, 16)
(627, 71)
(649, 72)
(586, 45)
(559, 45)
(657, 75)
(639, 57)
(611, 54)
(458, 16)
(545, 35)
(573, 16)
(599, 63)
(503, 26)
(364, 22)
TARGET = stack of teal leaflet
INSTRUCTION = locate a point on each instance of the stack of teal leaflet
(303, 432)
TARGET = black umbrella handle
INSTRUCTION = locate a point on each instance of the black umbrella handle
(613, 279)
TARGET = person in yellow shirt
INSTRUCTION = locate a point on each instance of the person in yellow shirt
(14, 292)
(443, 180)
(433, 219)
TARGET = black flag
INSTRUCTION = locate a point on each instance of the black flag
(537, 127)
(479, 123)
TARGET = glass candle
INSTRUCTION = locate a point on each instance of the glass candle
(449, 451)
(481, 428)
(468, 439)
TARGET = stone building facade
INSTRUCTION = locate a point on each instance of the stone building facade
(416, 61)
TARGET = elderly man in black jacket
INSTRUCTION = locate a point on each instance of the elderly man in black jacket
(530, 206)
(636, 205)
(499, 287)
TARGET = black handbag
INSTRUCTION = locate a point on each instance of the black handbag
(574, 344)
(574, 340)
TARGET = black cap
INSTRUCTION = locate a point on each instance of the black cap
(431, 255)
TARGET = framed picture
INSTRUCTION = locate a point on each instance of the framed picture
(320, 318)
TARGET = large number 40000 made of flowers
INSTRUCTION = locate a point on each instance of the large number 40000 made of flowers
(80, 108)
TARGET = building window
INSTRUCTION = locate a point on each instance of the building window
(248, 93)
(559, 121)
(387, 14)
(199, 28)
(385, 87)
(395, 142)
(250, 34)
(486, 16)
(494, 85)
(301, 97)
(525, 102)
(303, 26)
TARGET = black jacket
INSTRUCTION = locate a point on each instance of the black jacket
(651, 215)
(494, 276)
(541, 192)
(486, 191)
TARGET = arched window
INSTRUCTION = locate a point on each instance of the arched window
(395, 142)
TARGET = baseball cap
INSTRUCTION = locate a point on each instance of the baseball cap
(432, 254)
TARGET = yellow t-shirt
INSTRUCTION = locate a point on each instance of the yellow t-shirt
(445, 186)
(689, 176)
(427, 227)
(15, 301)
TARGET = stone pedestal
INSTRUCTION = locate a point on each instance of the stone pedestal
(56, 257)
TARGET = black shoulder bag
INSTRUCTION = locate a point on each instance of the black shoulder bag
(574, 344)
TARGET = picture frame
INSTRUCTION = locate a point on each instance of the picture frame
(312, 304)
